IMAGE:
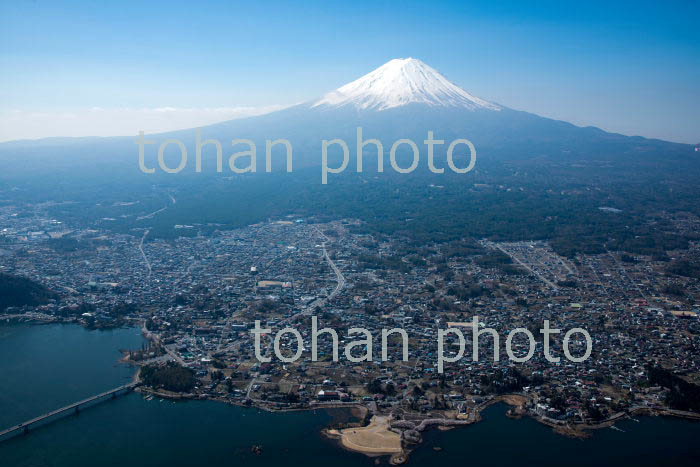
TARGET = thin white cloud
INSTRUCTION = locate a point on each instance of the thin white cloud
(98, 121)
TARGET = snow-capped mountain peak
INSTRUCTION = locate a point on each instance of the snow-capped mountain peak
(399, 82)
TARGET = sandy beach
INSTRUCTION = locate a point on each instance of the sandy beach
(373, 439)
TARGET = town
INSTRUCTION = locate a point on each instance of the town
(368, 343)
(198, 297)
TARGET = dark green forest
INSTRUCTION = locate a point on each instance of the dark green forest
(16, 291)
(171, 377)
(551, 199)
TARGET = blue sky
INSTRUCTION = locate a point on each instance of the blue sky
(631, 67)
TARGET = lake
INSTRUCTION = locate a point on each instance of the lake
(47, 366)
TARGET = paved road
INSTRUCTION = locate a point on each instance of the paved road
(320, 302)
(170, 353)
(623, 272)
(338, 274)
(529, 269)
(148, 216)
(143, 253)
(145, 234)
(250, 388)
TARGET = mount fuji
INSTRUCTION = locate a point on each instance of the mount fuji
(404, 98)
(529, 169)
(400, 82)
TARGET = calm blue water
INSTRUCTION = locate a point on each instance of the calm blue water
(43, 367)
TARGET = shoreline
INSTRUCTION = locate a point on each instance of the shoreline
(381, 424)
(381, 437)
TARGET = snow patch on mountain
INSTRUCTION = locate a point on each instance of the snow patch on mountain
(400, 82)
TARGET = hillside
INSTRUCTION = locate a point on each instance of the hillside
(20, 291)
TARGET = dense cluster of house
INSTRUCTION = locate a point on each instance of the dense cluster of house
(199, 296)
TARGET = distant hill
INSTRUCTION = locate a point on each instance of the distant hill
(20, 291)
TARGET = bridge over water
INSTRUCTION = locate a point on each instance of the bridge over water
(24, 427)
